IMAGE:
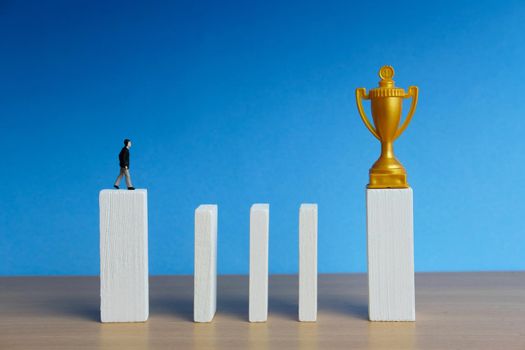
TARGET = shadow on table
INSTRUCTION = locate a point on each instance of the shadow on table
(344, 305)
(181, 307)
(238, 307)
(78, 307)
(285, 306)
(235, 306)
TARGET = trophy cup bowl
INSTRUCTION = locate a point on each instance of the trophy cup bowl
(386, 107)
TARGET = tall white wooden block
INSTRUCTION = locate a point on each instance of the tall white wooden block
(259, 227)
(205, 279)
(124, 256)
(390, 235)
(308, 263)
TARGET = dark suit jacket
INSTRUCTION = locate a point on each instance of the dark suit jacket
(123, 157)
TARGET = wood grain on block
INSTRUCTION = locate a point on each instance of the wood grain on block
(205, 278)
(308, 263)
(124, 256)
(390, 238)
(259, 227)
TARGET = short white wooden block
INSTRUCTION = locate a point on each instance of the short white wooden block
(124, 256)
(308, 263)
(390, 236)
(259, 227)
(205, 278)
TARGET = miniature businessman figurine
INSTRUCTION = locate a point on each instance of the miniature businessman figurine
(123, 158)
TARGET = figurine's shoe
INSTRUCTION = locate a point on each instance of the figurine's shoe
(131, 188)
(116, 187)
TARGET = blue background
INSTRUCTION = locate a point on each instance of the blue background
(253, 101)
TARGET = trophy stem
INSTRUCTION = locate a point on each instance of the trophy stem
(387, 150)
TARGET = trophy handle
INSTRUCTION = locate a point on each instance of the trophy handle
(412, 92)
(360, 93)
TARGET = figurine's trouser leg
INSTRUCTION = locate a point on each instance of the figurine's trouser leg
(117, 181)
(124, 172)
(128, 178)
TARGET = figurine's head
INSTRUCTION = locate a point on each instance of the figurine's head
(127, 143)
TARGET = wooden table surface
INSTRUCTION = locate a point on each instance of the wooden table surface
(454, 311)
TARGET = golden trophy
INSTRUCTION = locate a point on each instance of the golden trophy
(387, 102)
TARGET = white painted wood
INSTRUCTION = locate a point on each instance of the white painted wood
(390, 237)
(124, 287)
(205, 278)
(308, 263)
(259, 231)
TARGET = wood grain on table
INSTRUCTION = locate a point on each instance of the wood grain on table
(484, 310)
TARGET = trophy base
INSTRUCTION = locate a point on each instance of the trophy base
(388, 181)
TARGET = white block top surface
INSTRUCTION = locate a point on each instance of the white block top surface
(260, 206)
(377, 190)
(308, 206)
(207, 207)
(138, 191)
